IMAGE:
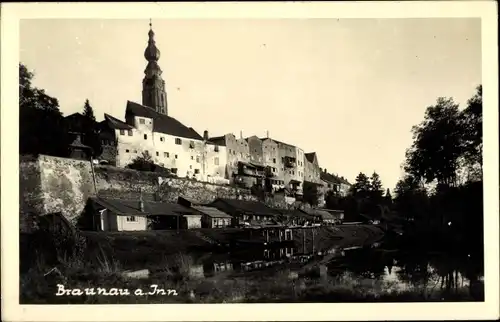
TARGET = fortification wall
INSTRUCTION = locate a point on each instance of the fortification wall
(50, 184)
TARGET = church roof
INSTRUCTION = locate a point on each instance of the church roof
(163, 123)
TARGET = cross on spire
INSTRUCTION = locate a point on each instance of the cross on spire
(150, 24)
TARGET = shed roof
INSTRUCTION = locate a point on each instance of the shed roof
(124, 207)
(212, 212)
(163, 123)
(293, 213)
(245, 206)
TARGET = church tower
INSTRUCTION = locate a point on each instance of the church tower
(154, 94)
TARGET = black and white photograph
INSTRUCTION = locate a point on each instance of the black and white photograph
(169, 158)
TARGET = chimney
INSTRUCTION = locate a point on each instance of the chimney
(205, 135)
(325, 170)
(241, 134)
(267, 134)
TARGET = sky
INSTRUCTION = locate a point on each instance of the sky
(348, 89)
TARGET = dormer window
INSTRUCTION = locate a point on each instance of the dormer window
(122, 132)
(178, 141)
(191, 144)
(129, 132)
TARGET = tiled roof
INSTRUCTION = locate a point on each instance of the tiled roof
(328, 177)
(131, 207)
(163, 123)
(246, 206)
(115, 123)
(212, 212)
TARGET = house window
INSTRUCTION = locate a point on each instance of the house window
(131, 219)
(135, 151)
(190, 167)
(274, 160)
(192, 158)
(162, 139)
(216, 161)
(122, 132)
(127, 151)
(176, 156)
(216, 148)
(142, 121)
(191, 144)
(198, 159)
(178, 141)
(196, 171)
(174, 170)
(129, 132)
(145, 136)
(157, 153)
(165, 154)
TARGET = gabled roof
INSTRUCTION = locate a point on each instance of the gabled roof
(74, 115)
(245, 206)
(310, 156)
(212, 212)
(124, 207)
(163, 123)
(278, 142)
(218, 140)
(115, 123)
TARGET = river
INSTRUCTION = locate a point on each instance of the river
(376, 272)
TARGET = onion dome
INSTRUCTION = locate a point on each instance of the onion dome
(152, 53)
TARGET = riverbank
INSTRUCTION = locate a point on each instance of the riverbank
(270, 286)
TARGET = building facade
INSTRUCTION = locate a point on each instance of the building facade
(311, 168)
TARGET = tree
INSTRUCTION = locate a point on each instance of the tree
(388, 197)
(145, 162)
(376, 188)
(472, 117)
(437, 144)
(41, 124)
(91, 136)
(310, 193)
(411, 198)
(361, 187)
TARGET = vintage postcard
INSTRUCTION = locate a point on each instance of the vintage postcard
(300, 161)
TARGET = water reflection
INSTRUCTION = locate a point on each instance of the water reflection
(374, 268)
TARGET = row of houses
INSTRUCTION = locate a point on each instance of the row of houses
(108, 214)
(246, 161)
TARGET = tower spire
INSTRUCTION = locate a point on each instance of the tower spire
(153, 86)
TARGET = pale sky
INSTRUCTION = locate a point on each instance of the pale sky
(348, 89)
